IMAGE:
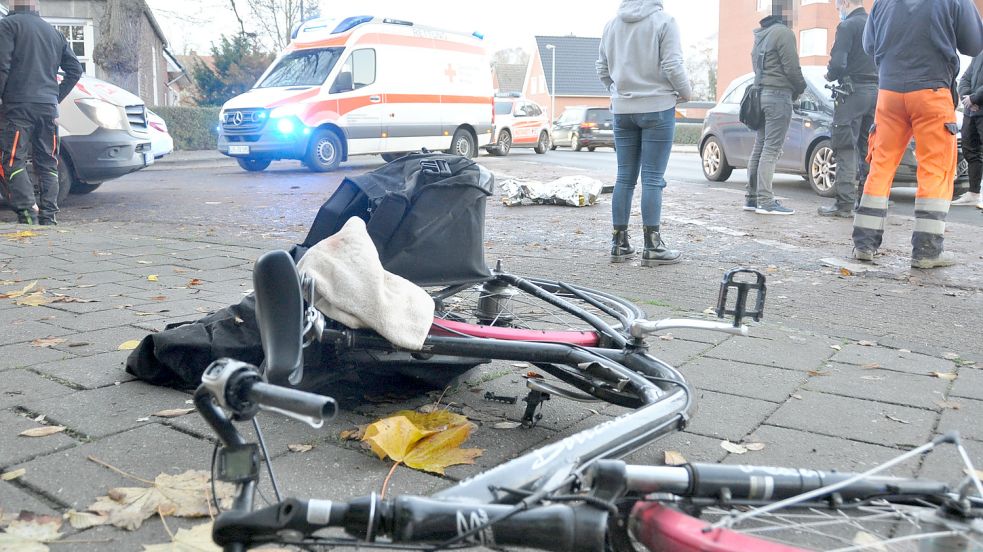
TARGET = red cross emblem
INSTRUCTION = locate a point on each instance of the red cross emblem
(450, 72)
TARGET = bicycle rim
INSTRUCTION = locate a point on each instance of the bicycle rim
(879, 526)
(511, 310)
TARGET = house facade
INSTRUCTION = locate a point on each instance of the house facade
(576, 77)
(160, 78)
(813, 22)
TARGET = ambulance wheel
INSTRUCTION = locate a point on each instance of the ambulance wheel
(543, 144)
(67, 181)
(252, 164)
(463, 144)
(504, 144)
(324, 153)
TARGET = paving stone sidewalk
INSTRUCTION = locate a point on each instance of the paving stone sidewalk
(814, 397)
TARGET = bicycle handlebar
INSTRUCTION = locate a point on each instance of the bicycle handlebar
(410, 519)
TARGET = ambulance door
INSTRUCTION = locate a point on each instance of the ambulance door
(361, 105)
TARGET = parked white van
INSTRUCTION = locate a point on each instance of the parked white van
(363, 85)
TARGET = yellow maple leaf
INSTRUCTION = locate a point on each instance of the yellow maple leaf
(425, 441)
(152, 278)
(21, 292)
(196, 539)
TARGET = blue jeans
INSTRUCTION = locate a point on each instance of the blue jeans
(644, 141)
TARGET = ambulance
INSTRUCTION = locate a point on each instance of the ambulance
(363, 85)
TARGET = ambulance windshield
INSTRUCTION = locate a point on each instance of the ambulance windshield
(302, 68)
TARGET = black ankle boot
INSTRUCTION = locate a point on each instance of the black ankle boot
(656, 253)
(621, 249)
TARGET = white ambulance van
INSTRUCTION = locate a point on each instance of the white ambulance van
(363, 85)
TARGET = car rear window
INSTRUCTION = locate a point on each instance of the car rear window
(598, 115)
(503, 108)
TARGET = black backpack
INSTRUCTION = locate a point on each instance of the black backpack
(425, 213)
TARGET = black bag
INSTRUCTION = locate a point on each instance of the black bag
(425, 213)
(751, 114)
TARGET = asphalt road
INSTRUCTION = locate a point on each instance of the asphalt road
(685, 169)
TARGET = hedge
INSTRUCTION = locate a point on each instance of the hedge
(192, 128)
(688, 133)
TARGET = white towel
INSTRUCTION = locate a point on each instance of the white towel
(354, 289)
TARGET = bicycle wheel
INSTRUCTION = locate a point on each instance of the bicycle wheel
(880, 526)
(506, 307)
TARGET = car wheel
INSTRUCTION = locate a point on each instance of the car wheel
(543, 144)
(822, 169)
(324, 152)
(504, 144)
(715, 167)
(575, 142)
(463, 144)
(591, 148)
(253, 164)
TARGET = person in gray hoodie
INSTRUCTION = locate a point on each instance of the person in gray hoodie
(777, 71)
(640, 62)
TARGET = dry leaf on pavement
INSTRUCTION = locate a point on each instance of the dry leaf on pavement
(195, 282)
(865, 343)
(948, 376)
(845, 272)
(152, 278)
(184, 495)
(11, 475)
(836, 347)
(951, 356)
(899, 420)
(871, 366)
(36, 299)
(128, 345)
(507, 425)
(817, 373)
(754, 446)
(84, 520)
(353, 434)
(29, 533)
(674, 458)
(14, 294)
(67, 299)
(144, 262)
(300, 448)
(733, 447)
(19, 236)
(174, 412)
(952, 405)
(47, 341)
(42, 431)
(196, 539)
(428, 442)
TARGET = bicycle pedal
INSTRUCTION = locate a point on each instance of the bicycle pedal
(740, 311)
(489, 396)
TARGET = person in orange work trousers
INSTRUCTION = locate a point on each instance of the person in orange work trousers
(915, 44)
(31, 52)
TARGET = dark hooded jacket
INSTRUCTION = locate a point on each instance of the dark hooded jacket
(31, 52)
(781, 67)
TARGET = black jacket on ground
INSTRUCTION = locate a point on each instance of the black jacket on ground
(781, 62)
(848, 58)
(971, 83)
(31, 52)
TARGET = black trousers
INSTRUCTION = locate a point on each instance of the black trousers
(29, 132)
(973, 150)
(852, 119)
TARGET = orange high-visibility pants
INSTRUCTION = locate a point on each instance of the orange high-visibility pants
(928, 116)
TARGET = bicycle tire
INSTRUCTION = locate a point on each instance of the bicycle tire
(496, 309)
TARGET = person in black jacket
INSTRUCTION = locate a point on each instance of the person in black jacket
(853, 113)
(971, 96)
(31, 52)
(776, 66)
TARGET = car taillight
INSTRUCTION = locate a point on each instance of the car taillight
(160, 127)
(588, 125)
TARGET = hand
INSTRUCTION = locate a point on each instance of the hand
(966, 102)
(974, 108)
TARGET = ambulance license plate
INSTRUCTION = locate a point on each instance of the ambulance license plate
(238, 150)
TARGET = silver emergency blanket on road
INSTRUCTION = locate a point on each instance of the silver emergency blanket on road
(354, 289)
(573, 191)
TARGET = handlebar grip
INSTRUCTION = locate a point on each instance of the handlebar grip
(294, 401)
(246, 529)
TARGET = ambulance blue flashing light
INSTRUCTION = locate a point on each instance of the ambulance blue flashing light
(350, 23)
(479, 36)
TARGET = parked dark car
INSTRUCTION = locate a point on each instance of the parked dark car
(726, 143)
(584, 127)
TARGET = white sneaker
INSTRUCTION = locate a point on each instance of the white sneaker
(969, 198)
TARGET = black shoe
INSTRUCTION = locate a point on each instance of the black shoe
(47, 220)
(26, 216)
(621, 249)
(834, 211)
(656, 253)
